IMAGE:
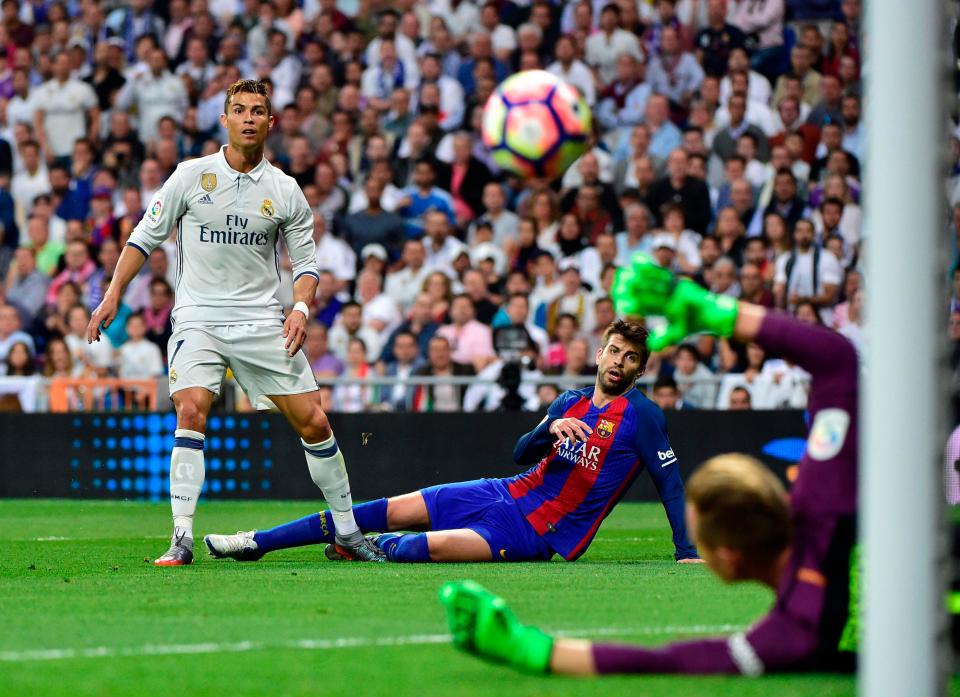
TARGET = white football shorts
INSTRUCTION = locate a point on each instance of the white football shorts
(198, 356)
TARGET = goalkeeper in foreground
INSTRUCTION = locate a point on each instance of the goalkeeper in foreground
(744, 524)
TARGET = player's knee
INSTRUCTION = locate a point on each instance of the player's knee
(190, 416)
(316, 428)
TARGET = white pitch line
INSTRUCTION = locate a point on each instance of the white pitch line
(325, 644)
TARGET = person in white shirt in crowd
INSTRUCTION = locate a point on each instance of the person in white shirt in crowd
(687, 242)
(572, 70)
(595, 260)
(386, 74)
(333, 254)
(380, 311)
(440, 245)
(404, 284)
(758, 86)
(350, 325)
(285, 68)
(756, 113)
(574, 299)
(755, 172)
(155, 94)
(65, 109)
(605, 46)
(623, 102)
(674, 72)
(452, 100)
(198, 66)
(31, 181)
(663, 245)
(504, 223)
(636, 237)
(89, 359)
(502, 36)
(387, 24)
(138, 358)
(695, 380)
(807, 272)
(21, 107)
(547, 286)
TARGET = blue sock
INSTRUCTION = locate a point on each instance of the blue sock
(411, 547)
(318, 528)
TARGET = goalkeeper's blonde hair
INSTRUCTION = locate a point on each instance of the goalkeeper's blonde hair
(741, 505)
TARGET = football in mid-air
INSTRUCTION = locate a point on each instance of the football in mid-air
(535, 124)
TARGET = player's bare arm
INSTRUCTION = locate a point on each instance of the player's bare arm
(128, 266)
(295, 326)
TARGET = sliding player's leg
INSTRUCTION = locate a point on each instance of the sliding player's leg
(328, 471)
(404, 512)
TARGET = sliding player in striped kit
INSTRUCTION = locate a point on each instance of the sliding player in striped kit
(587, 451)
(229, 211)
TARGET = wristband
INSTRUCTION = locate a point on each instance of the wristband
(302, 307)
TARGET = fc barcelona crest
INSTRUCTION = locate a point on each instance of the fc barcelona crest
(208, 181)
(604, 428)
(266, 208)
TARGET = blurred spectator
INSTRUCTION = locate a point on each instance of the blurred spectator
(740, 399)
(333, 254)
(66, 109)
(605, 46)
(419, 322)
(762, 23)
(31, 180)
(674, 72)
(623, 101)
(322, 362)
(444, 397)
(854, 328)
(564, 329)
(440, 246)
(573, 300)
(79, 267)
(572, 70)
(423, 198)
(11, 334)
(801, 66)
(404, 284)
(752, 287)
(153, 94)
(471, 341)
(19, 361)
(807, 272)
(351, 326)
(374, 225)
(157, 314)
(26, 286)
(666, 394)
(725, 278)
(476, 288)
(690, 194)
(93, 359)
(354, 398)
(714, 42)
(518, 324)
(100, 279)
(695, 380)
(138, 357)
(405, 362)
(58, 363)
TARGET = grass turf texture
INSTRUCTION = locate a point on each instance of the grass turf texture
(75, 576)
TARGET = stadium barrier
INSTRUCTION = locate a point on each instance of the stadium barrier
(126, 456)
(33, 394)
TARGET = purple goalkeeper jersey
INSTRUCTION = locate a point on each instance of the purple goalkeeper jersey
(812, 623)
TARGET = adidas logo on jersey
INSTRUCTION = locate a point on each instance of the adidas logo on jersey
(205, 199)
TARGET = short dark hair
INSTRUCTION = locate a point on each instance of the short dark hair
(691, 349)
(633, 333)
(665, 381)
(257, 87)
(832, 201)
(405, 332)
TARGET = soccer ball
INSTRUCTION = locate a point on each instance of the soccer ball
(535, 124)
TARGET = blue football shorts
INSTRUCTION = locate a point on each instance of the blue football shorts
(486, 507)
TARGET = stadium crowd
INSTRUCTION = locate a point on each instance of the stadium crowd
(728, 145)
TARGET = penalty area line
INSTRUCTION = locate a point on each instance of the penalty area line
(33, 655)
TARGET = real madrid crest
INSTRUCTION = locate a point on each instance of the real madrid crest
(173, 376)
(208, 181)
(266, 208)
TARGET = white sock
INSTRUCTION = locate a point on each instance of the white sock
(329, 472)
(186, 478)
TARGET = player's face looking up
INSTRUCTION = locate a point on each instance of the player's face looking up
(619, 363)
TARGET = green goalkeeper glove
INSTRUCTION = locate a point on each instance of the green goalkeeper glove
(482, 624)
(644, 288)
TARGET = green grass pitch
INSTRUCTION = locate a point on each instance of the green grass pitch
(84, 613)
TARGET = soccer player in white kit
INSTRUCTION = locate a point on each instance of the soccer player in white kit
(229, 210)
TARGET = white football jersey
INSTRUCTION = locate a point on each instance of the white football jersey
(228, 226)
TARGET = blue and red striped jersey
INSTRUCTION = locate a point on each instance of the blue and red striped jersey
(576, 484)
